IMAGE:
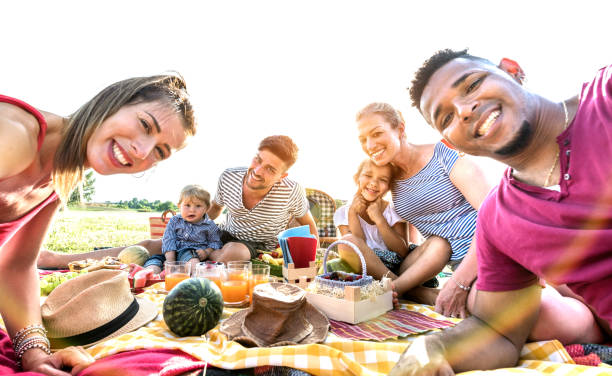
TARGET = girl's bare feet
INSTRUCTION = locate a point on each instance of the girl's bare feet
(396, 304)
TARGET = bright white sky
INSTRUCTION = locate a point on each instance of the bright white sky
(257, 68)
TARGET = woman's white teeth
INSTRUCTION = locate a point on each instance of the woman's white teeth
(484, 128)
(376, 154)
(119, 155)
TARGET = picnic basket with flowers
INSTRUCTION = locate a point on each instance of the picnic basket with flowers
(350, 297)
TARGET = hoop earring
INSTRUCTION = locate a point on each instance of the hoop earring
(145, 173)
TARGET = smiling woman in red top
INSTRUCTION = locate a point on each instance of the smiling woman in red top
(128, 127)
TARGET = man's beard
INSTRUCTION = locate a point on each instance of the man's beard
(518, 143)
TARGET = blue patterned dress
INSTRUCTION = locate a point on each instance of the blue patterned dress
(430, 201)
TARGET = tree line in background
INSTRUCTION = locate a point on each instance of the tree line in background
(85, 191)
(143, 205)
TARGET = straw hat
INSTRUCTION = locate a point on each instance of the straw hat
(92, 308)
(279, 316)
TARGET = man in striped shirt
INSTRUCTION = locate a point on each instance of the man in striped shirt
(260, 201)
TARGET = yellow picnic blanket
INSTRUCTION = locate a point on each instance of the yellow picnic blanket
(335, 356)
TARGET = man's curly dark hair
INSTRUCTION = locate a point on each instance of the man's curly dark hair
(430, 66)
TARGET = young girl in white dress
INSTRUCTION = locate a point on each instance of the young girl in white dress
(371, 223)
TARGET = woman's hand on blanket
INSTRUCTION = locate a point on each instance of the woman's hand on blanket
(74, 358)
(452, 301)
(425, 356)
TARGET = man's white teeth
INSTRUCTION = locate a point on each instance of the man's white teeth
(119, 155)
(376, 154)
(484, 128)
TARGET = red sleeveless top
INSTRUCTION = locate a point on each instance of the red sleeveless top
(8, 229)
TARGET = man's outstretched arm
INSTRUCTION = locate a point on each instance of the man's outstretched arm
(491, 338)
(214, 210)
(307, 219)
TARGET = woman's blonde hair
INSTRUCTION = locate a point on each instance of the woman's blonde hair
(194, 190)
(392, 116)
(71, 153)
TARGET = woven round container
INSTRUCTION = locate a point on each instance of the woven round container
(365, 279)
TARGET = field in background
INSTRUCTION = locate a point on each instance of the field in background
(80, 230)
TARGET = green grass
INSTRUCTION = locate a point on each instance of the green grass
(76, 230)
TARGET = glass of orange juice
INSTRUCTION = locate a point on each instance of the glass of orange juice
(259, 274)
(247, 276)
(235, 284)
(248, 264)
(211, 270)
(176, 271)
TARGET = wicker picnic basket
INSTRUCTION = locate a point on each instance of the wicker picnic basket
(362, 280)
(157, 225)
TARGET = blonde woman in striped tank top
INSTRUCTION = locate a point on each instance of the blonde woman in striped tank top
(438, 193)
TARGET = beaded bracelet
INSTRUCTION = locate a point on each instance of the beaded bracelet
(27, 341)
(37, 342)
(30, 346)
(464, 288)
(20, 335)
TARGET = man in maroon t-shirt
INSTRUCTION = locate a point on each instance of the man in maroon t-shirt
(550, 217)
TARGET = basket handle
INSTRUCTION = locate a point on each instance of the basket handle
(165, 213)
(355, 248)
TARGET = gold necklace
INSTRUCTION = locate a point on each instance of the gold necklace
(552, 168)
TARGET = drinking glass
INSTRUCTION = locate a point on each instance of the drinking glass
(211, 270)
(259, 274)
(247, 276)
(235, 284)
(248, 264)
(176, 271)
